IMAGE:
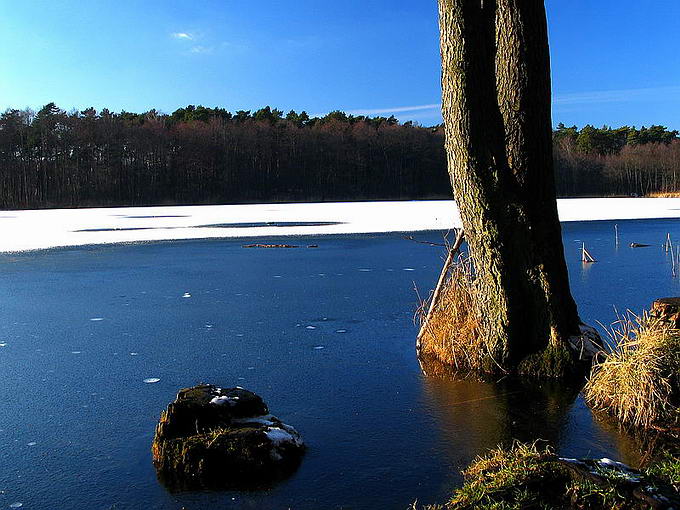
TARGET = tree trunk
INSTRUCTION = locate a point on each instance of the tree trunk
(496, 109)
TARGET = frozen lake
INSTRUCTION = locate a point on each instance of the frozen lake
(324, 334)
(32, 230)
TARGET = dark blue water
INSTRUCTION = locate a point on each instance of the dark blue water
(324, 334)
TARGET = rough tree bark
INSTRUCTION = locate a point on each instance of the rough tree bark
(496, 109)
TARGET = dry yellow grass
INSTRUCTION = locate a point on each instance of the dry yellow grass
(638, 382)
(452, 334)
(665, 194)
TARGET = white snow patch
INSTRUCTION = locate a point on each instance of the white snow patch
(221, 400)
(151, 380)
(278, 435)
(265, 419)
(49, 228)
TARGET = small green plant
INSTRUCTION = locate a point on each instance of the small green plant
(667, 468)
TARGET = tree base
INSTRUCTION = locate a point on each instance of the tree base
(574, 359)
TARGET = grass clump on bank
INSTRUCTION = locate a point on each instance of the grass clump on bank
(638, 382)
(519, 477)
(527, 477)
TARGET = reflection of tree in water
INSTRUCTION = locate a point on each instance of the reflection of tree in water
(476, 416)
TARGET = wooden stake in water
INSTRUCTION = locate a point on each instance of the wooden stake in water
(586, 257)
(616, 234)
(672, 265)
(668, 245)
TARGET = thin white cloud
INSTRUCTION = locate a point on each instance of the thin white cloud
(183, 35)
(576, 98)
(559, 100)
(202, 50)
(616, 96)
(395, 109)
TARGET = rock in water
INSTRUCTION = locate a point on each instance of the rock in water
(211, 437)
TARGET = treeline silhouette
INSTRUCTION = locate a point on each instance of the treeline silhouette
(196, 155)
(622, 161)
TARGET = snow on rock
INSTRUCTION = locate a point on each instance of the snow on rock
(223, 399)
(284, 434)
(212, 437)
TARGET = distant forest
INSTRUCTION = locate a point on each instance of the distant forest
(198, 155)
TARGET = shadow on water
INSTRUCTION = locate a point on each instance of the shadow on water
(273, 224)
(489, 414)
(260, 224)
(151, 217)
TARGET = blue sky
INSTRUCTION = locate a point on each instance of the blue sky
(614, 61)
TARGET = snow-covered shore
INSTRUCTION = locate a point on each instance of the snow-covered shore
(41, 229)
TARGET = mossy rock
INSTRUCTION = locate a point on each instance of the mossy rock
(211, 437)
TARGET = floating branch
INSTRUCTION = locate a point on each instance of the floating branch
(639, 245)
(586, 257)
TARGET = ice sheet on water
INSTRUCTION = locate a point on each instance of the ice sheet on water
(151, 380)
